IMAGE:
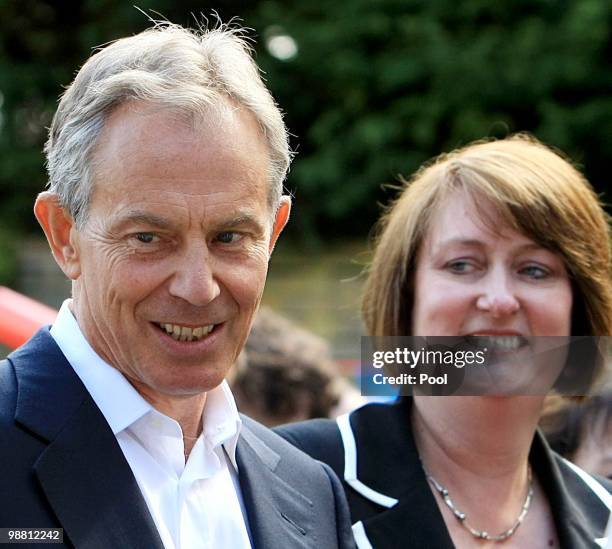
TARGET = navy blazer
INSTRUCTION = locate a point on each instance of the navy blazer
(63, 468)
(391, 503)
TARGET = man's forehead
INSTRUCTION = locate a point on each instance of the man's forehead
(136, 132)
(224, 117)
(147, 156)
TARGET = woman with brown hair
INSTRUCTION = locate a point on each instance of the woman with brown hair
(502, 240)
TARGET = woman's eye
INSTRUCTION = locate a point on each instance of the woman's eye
(534, 271)
(460, 267)
(145, 238)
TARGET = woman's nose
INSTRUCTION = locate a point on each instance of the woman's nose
(498, 297)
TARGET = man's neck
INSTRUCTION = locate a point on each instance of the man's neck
(185, 410)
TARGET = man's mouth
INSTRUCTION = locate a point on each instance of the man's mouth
(186, 333)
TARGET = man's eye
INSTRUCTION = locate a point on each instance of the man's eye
(145, 238)
(228, 237)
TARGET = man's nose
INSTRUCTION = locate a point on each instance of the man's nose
(498, 297)
(194, 279)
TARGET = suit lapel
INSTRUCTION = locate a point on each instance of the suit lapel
(82, 471)
(404, 480)
(580, 516)
(278, 515)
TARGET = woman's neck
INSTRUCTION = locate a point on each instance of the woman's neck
(478, 448)
(486, 436)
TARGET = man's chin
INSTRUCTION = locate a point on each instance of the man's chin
(191, 385)
(179, 384)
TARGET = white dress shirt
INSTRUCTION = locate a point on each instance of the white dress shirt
(194, 505)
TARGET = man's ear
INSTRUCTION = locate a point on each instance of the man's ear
(280, 220)
(60, 231)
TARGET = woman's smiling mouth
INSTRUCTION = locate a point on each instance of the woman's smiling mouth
(498, 342)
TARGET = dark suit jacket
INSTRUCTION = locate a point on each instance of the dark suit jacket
(62, 467)
(373, 450)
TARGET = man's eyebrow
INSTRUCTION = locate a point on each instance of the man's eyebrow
(146, 218)
(242, 219)
(149, 219)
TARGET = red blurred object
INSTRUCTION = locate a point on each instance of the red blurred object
(21, 317)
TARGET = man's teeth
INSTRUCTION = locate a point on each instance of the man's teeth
(184, 333)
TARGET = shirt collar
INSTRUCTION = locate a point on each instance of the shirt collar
(221, 421)
(122, 405)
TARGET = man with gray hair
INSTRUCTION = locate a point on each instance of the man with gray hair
(166, 159)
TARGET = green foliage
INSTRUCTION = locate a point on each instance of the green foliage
(42, 45)
(376, 88)
(379, 86)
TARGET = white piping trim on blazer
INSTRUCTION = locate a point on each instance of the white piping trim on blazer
(361, 538)
(600, 492)
(350, 465)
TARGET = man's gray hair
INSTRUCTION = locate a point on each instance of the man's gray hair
(172, 67)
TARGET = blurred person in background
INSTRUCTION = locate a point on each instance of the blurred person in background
(286, 373)
(502, 240)
(581, 431)
(166, 158)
